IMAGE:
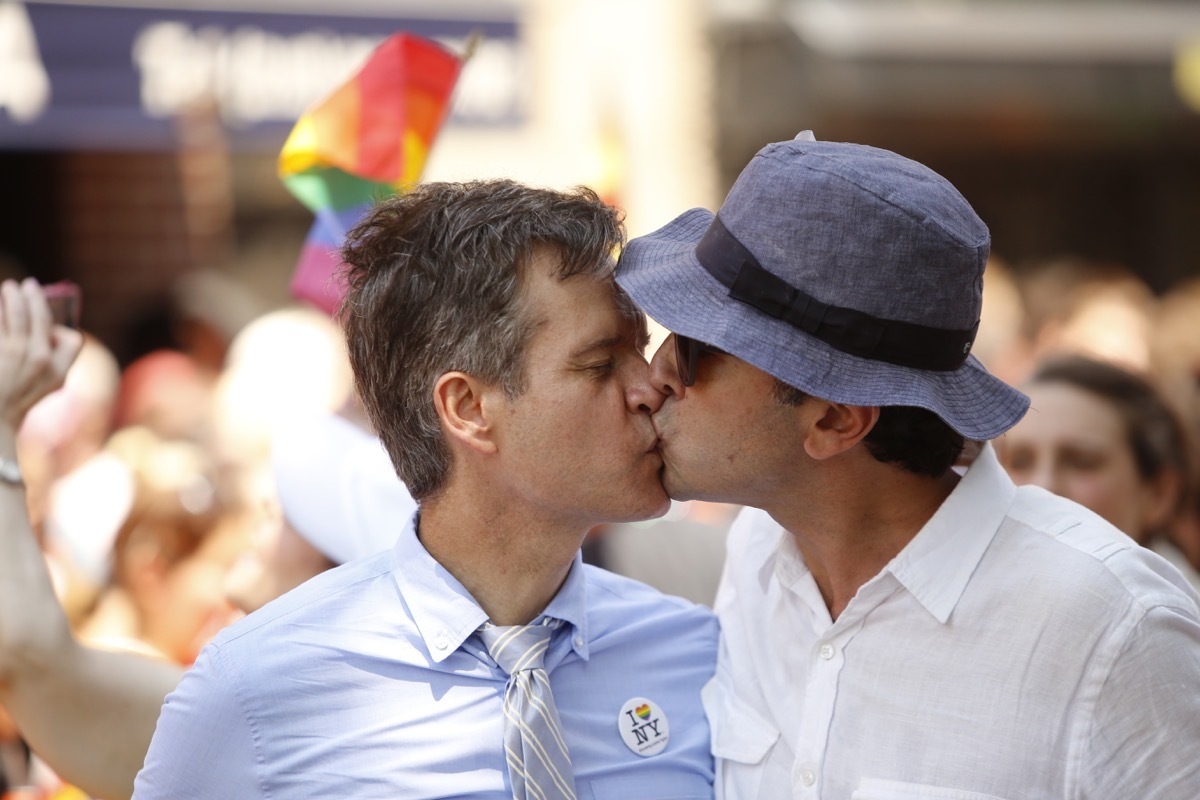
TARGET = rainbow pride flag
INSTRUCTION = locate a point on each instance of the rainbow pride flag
(368, 139)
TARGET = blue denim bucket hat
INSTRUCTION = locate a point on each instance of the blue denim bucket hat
(849, 272)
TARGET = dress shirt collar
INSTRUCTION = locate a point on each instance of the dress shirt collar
(570, 605)
(446, 614)
(937, 564)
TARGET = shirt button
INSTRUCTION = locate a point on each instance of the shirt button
(826, 651)
(442, 641)
(579, 641)
(808, 777)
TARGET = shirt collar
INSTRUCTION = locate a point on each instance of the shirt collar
(446, 614)
(782, 560)
(937, 564)
(570, 605)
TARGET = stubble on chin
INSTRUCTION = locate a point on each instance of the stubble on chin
(675, 487)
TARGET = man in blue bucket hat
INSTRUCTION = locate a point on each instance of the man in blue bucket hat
(893, 627)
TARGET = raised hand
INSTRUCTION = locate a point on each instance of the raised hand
(34, 352)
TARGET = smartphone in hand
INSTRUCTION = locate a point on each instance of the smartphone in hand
(64, 299)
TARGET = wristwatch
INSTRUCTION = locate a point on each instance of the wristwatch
(10, 472)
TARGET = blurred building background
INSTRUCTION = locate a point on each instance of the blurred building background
(138, 137)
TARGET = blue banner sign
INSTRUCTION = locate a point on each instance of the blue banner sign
(109, 77)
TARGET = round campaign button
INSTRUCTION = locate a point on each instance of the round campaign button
(643, 726)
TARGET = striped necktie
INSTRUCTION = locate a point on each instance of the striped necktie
(539, 763)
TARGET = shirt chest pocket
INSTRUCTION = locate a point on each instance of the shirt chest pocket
(739, 732)
(742, 740)
(875, 789)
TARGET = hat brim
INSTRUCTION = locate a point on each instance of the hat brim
(661, 273)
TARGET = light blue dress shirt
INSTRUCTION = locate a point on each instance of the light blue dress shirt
(369, 682)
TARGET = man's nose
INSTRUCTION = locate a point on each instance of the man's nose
(642, 396)
(659, 384)
(664, 371)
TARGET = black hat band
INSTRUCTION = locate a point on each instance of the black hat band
(905, 344)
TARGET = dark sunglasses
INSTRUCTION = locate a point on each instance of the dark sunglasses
(687, 353)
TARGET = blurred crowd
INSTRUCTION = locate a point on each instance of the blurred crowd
(148, 485)
(1113, 371)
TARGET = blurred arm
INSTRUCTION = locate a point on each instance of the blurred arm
(88, 713)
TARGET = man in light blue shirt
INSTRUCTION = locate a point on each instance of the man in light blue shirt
(504, 372)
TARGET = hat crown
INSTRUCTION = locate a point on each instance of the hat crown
(862, 228)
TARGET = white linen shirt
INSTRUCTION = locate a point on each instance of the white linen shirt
(368, 682)
(1019, 647)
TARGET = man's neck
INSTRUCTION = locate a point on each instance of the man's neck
(856, 521)
(512, 564)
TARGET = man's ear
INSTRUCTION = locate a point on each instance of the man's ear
(838, 428)
(465, 410)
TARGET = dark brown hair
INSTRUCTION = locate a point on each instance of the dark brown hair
(912, 438)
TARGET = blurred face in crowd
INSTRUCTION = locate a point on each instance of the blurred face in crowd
(1075, 444)
(278, 560)
(169, 556)
(191, 607)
